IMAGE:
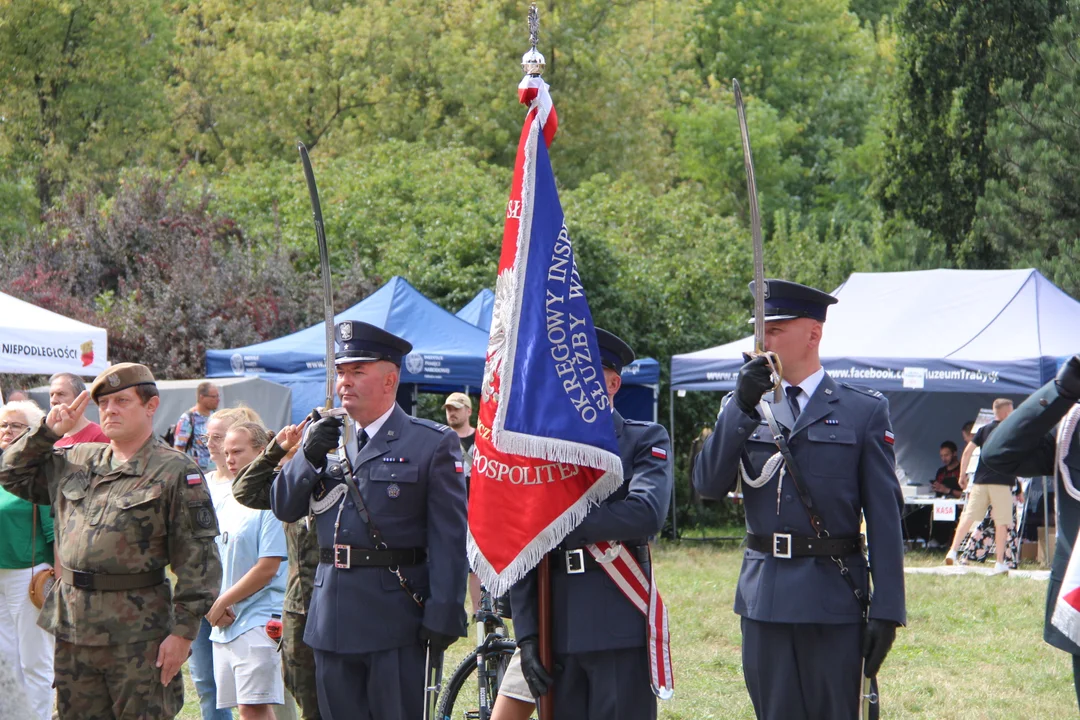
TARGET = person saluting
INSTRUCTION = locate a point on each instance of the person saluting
(124, 512)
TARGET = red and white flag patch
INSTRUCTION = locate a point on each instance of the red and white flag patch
(889, 437)
(194, 479)
(458, 466)
(659, 452)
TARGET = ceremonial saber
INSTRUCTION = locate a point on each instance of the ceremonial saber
(328, 302)
(433, 667)
(759, 248)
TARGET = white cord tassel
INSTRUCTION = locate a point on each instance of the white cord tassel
(1064, 439)
(766, 472)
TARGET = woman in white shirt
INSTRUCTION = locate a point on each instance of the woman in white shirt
(219, 482)
(247, 664)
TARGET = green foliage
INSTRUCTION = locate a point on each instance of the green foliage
(1030, 217)
(709, 147)
(953, 58)
(432, 215)
(82, 90)
(250, 82)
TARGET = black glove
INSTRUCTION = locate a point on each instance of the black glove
(537, 677)
(755, 379)
(439, 642)
(878, 636)
(321, 439)
(1068, 379)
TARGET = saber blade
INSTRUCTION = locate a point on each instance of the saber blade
(755, 223)
(759, 247)
(324, 269)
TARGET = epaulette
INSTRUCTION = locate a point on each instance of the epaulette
(630, 421)
(864, 390)
(431, 424)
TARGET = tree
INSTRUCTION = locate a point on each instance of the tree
(811, 76)
(82, 91)
(1030, 217)
(954, 57)
(251, 80)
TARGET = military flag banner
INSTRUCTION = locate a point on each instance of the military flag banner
(545, 443)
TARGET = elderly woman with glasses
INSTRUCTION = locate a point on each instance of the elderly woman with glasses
(26, 536)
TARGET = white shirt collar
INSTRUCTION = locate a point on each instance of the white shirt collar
(808, 386)
(375, 424)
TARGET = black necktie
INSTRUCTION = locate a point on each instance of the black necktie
(361, 441)
(793, 399)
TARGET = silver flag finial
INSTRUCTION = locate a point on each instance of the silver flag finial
(533, 62)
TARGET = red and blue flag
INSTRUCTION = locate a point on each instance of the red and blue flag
(545, 442)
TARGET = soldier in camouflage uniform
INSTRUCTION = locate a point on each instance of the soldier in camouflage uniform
(124, 511)
(251, 488)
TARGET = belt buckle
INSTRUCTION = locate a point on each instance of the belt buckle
(82, 580)
(347, 562)
(575, 561)
(781, 540)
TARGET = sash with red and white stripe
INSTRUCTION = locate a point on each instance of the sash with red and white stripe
(625, 571)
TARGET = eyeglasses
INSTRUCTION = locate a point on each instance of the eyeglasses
(207, 439)
(13, 426)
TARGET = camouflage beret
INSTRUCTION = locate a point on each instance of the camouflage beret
(120, 377)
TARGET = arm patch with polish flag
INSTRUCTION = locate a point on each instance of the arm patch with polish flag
(889, 437)
(193, 479)
(458, 466)
(659, 452)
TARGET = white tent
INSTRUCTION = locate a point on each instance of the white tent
(35, 341)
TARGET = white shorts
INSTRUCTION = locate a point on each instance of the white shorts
(247, 671)
(513, 682)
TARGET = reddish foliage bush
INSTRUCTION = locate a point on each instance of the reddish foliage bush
(166, 276)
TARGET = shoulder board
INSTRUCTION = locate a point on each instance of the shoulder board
(642, 423)
(431, 424)
(864, 390)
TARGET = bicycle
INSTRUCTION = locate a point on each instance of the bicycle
(470, 692)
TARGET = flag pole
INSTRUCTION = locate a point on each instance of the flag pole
(533, 63)
(543, 575)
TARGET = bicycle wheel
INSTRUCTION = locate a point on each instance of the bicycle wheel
(462, 698)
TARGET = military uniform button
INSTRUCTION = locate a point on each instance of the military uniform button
(787, 498)
(832, 437)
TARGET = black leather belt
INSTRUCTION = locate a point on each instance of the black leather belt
(786, 545)
(575, 562)
(350, 556)
(101, 581)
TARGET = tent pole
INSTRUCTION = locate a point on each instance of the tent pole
(671, 429)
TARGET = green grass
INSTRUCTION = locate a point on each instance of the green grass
(972, 649)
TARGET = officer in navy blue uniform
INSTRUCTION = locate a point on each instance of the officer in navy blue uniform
(1024, 444)
(804, 640)
(391, 577)
(598, 636)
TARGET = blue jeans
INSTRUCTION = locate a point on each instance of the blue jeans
(201, 664)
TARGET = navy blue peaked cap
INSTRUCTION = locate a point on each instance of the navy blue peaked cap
(614, 352)
(363, 342)
(786, 300)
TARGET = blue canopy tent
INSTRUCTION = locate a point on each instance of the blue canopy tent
(478, 311)
(639, 397)
(448, 353)
(940, 344)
